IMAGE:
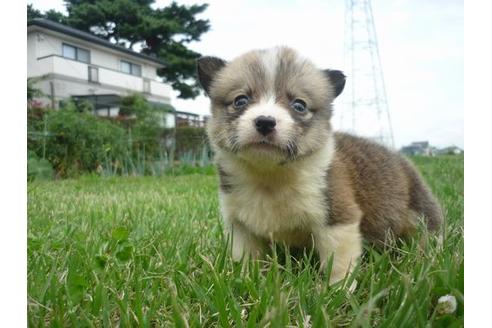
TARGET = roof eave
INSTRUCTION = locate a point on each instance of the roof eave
(60, 28)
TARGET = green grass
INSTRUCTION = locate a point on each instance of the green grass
(148, 251)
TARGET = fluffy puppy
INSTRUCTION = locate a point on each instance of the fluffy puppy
(285, 176)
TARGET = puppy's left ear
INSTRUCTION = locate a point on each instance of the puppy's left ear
(337, 79)
(207, 68)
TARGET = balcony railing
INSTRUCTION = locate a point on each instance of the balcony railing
(55, 64)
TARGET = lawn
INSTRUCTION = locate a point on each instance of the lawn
(148, 251)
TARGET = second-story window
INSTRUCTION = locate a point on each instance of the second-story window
(131, 68)
(76, 53)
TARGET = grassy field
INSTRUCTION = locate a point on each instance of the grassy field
(148, 251)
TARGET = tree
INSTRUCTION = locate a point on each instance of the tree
(135, 24)
(32, 90)
(33, 13)
(51, 14)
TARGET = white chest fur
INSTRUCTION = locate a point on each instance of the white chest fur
(284, 207)
(276, 214)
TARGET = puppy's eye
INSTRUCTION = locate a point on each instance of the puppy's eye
(299, 106)
(241, 102)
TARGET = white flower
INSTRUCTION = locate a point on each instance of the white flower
(244, 314)
(446, 304)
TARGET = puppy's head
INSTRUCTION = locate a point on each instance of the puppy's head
(269, 105)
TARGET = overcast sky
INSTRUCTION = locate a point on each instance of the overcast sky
(420, 44)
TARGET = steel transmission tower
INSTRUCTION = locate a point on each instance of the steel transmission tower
(366, 111)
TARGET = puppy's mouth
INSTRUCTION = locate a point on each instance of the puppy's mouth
(264, 145)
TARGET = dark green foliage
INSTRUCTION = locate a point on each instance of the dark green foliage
(145, 130)
(35, 121)
(32, 90)
(51, 14)
(85, 106)
(33, 13)
(80, 142)
(137, 106)
(189, 140)
(38, 168)
(75, 141)
(161, 32)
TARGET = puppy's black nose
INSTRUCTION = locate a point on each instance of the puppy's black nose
(265, 124)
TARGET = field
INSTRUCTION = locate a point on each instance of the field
(148, 251)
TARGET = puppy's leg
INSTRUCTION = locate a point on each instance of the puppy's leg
(244, 243)
(343, 242)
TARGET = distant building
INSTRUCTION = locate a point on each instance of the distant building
(422, 148)
(419, 148)
(85, 67)
(452, 150)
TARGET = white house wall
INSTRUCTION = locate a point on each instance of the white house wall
(32, 67)
(47, 44)
(149, 72)
(45, 57)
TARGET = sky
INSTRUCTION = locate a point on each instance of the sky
(420, 46)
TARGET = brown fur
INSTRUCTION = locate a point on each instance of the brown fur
(385, 187)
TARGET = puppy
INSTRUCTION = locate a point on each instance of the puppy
(285, 176)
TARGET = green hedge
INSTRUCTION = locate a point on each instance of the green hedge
(76, 142)
(38, 168)
(188, 140)
(81, 142)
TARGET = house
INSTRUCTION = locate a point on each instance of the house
(452, 150)
(77, 64)
(419, 148)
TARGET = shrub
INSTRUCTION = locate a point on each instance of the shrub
(35, 129)
(38, 168)
(145, 131)
(190, 141)
(81, 142)
(32, 90)
(74, 141)
(85, 106)
(134, 105)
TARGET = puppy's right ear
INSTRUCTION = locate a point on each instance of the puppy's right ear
(207, 68)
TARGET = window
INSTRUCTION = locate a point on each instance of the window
(131, 68)
(126, 67)
(136, 70)
(76, 53)
(93, 74)
(82, 55)
(69, 52)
